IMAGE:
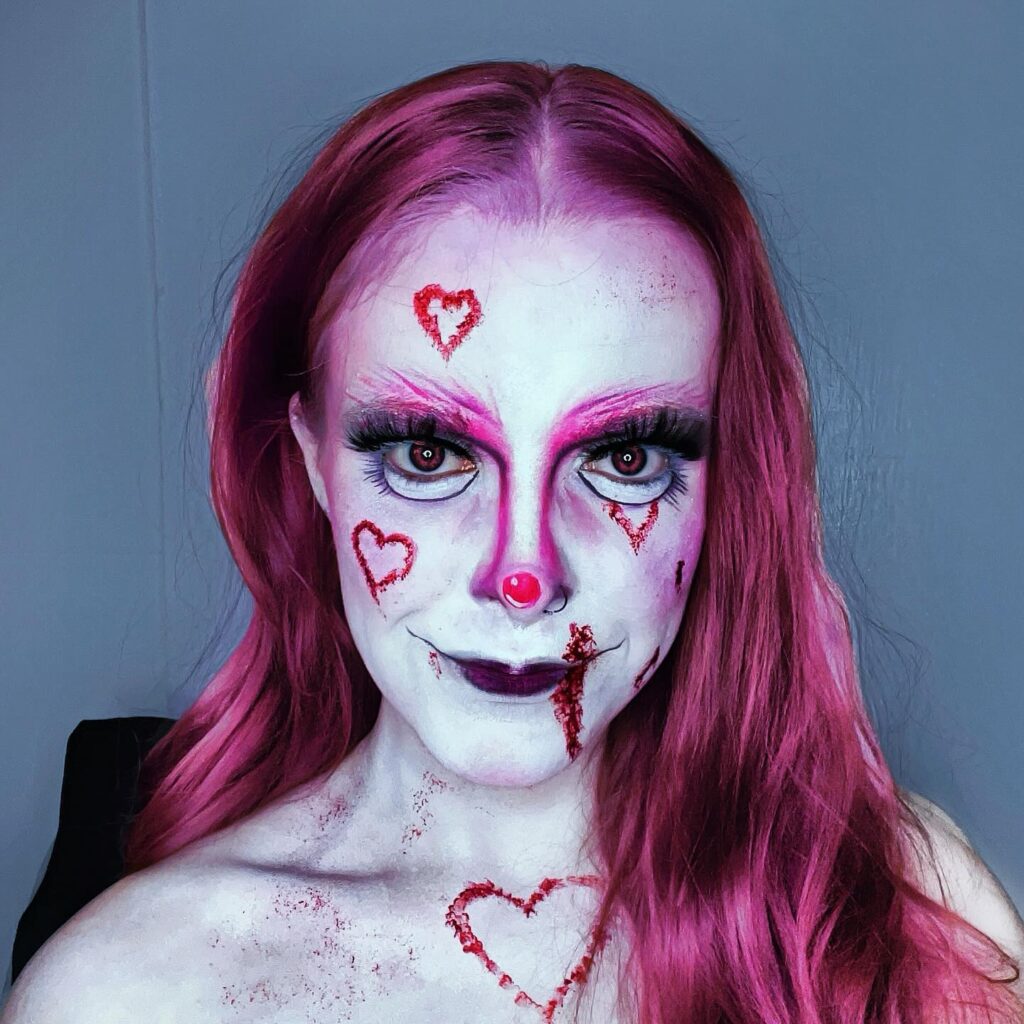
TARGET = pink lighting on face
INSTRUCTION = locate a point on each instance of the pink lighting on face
(520, 589)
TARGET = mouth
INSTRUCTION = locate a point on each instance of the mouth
(511, 680)
(507, 679)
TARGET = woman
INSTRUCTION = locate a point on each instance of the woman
(548, 708)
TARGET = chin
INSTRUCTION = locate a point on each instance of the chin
(510, 769)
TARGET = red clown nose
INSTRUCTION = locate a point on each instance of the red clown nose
(520, 589)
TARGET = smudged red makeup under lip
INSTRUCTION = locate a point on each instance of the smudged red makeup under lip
(435, 663)
(378, 583)
(450, 301)
(568, 695)
(636, 534)
(457, 918)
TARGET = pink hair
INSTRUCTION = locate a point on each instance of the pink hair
(753, 839)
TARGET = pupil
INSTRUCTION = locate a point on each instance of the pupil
(629, 460)
(426, 456)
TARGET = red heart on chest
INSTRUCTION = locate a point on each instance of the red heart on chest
(457, 918)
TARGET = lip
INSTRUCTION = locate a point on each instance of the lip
(512, 680)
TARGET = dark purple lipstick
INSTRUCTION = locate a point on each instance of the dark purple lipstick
(509, 680)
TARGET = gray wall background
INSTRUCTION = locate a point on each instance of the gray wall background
(138, 144)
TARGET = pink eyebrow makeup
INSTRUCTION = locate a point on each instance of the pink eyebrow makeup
(449, 412)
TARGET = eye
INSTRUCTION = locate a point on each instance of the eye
(631, 473)
(426, 469)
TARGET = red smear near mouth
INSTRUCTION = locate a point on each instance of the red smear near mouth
(435, 663)
(375, 583)
(567, 698)
(457, 919)
(636, 534)
(450, 301)
(639, 681)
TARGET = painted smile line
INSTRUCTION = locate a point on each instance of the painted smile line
(521, 679)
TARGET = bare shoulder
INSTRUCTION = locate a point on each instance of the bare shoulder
(953, 873)
(110, 961)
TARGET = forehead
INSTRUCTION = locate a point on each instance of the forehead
(567, 311)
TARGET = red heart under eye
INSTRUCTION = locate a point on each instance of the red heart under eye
(378, 583)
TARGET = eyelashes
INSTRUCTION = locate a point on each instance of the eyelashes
(675, 438)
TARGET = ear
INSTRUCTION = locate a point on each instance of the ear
(310, 448)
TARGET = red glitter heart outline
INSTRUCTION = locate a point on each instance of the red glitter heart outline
(457, 918)
(450, 301)
(636, 534)
(377, 585)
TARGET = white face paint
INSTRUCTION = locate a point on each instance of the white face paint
(563, 330)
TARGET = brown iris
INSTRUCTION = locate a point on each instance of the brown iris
(629, 461)
(426, 456)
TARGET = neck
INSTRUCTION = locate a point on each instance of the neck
(437, 818)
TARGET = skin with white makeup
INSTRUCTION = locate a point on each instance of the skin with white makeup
(561, 439)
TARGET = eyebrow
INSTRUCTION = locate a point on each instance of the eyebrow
(460, 412)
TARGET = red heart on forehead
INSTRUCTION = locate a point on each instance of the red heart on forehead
(378, 583)
(457, 918)
(450, 301)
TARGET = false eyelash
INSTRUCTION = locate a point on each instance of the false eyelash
(379, 428)
(666, 428)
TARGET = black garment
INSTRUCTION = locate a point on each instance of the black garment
(97, 800)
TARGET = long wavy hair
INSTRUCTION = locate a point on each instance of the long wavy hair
(753, 842)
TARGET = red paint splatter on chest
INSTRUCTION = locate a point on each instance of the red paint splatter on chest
(568, 696)
(636, 534)
(376, 583)
(450, 302)
(457, 919)
(648, 665)
(420, 799)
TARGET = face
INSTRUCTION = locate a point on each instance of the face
(513, 461)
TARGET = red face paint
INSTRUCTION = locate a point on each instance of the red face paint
(639, 681)
(378, 583)
(679, 574)
(457, 919)
(435, 663)
(569, 692)
(636, 534)
(450, 301)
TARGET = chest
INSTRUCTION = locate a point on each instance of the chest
(310, 953)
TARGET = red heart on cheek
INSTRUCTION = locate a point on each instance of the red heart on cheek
(457, 918)
(450, 301)
(378, 583)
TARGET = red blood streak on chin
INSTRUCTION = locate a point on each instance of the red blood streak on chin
(379, 583)
(568, 696)
(435, 663)
(636, 534)
(450, 301)
(639, 681)
(457, 918)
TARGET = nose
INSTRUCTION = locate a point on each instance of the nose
(524, 570)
